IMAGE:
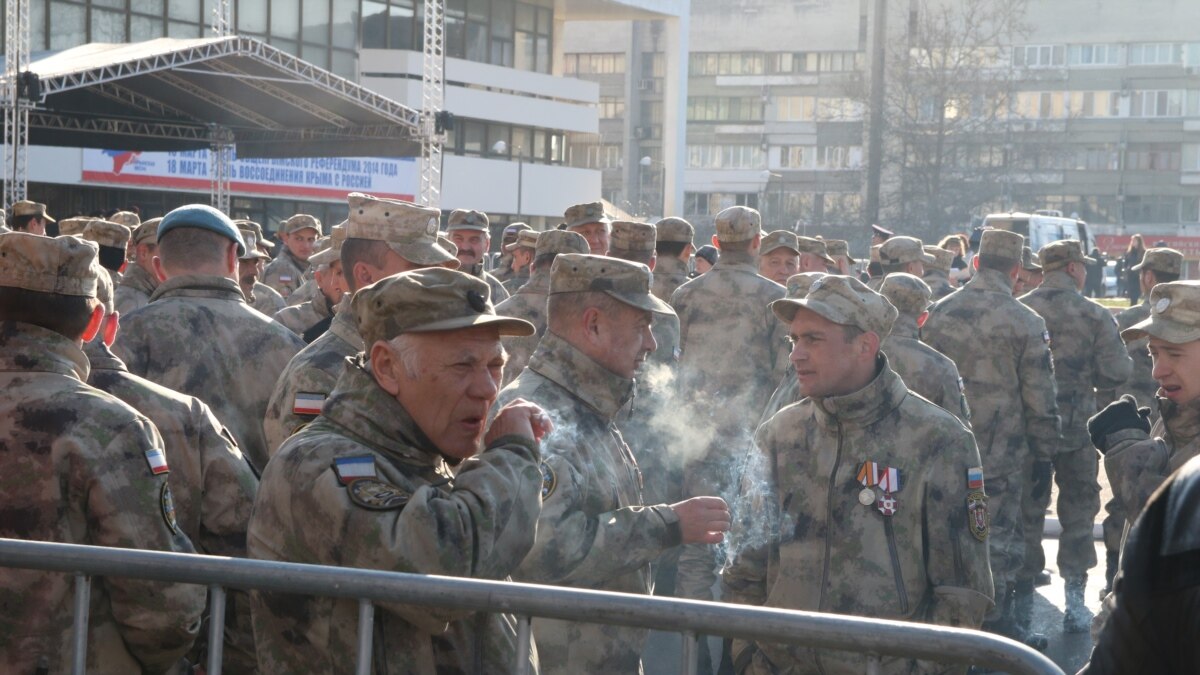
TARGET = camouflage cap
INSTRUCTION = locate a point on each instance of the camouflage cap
(1001, 244)
(59, 265)
(779, 239)
(511, 230)
(1174, 314)
(466, 219)
(28, 208)
(148, 230)
(73, 226)
(326, 251)
(409, 230)
(560, 241)
(1058, 254)
(626, 281)
(816, 247)
(426, 301)
(942, 259)
(675, 230)
(107, 233)
(628, 236)
(902, 250)
(907, 293)
(738, 223)
(839, 247)
(445, 243)
(799, 284)
(300, 221)
(253, 252)
(583, 214)
(842, 300)
(127, 218)
(1029, 261)
(1165, 260)
(262, 239)
(525, 239)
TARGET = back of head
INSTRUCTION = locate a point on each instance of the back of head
(673, 236)
(582, 281)
(908, 294)
(49, 282)
(195, 239)
(552, 243)
(738, 225)
(633, 241)
(1000, 250)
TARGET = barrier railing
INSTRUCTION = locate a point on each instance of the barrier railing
(876, 638)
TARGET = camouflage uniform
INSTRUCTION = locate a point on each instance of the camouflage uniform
(307, 290)
(515, 281)
(299, 318)
(1088, 355)
(937, 273)
(199, 337)
(266, 299)
(670, 272)
(732, 355)
(870, 504)
(1001, 349)
(135, 290)
(924, 370)
(285, 273)
(788, 391)
(499, 293)
(80, 467)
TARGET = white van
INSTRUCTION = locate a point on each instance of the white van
(1042, 227)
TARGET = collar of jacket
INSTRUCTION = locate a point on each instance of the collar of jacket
(322, 305)
(866, 405)
(598, 387)
(538, 283)
(1181, 421)
(671, 266)
(1059, 280)
(199, 286)
(292, 260)
(906, 327)
(26, 348)
(101, 357)
(990, 280)
(138, 278)
(742, 261)
(373, 417)
(343, 324)
(475, 270)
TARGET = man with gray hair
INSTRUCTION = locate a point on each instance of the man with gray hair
(471, 232)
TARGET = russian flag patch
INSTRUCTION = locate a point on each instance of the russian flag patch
(307, 403)
(157, 461)
(975, 478)
(350, 469)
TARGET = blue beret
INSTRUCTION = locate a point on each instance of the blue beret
(203, 217)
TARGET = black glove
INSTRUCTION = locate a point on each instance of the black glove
(1117, 416)
(1042, 470)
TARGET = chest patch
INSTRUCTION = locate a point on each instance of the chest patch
(549, 480)
(167, 503)
(350, 469)
(377, 495)
(978, 520)
(307, 403)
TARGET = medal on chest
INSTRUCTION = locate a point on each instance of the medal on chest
(880, 485)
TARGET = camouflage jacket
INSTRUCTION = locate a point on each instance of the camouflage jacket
(787, 393)
(407, 512)
(924, 370)
(669, 274)
(266, 299)
(78, 469)
(806, 540)
(199, 337)
(1001, 348)
(285, 273)
(135, 290)
(1087, 348)
(1137, 463)
(515, 281)
(594, 531)
(732, 348)
(305, 383)
(299, 318)
(1140, 383)
(528, 303)
(499, 293)
(939, 283)
(307, 291)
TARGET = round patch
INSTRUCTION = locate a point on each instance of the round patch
(1162, 305)
(376, 495)
(866, 497)
(167, 503)
(549, 480)
(977, 515)
(476, 300)
(432, 227)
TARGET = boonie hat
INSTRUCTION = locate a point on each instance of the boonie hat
(623, 280)
(842, 300)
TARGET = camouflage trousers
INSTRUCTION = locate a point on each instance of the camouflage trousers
(1075, 474)
(1006, 535)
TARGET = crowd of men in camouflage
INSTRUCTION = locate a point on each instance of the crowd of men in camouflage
(590, 411)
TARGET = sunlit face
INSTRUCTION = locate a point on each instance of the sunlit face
(810, 262)
(624, 340)
(1176, 369)
(702, 265)
(521, 257)
(954, 246)
(825, 362)
(331, 282)
(301, 242)
(456, 382)
(779, 264)
(597, 235)
(472, 245)
(248, 270)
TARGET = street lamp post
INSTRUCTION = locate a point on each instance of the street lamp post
(500, 147)
(766, 176)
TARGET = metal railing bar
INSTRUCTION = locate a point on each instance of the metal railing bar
(691, 653)
(216, 629)
(806, 629)
(79, 627)
(366, 636)
(524, 639)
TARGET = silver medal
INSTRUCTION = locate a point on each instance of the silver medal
(866, 497)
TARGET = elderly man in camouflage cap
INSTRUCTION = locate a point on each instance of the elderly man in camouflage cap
(312, 318)
(788, 391)
(383, 237)
(140, 280)
(80, 467)
(873, 532)
(590, 221)
(1029, 277)
(923, 369)
(595, 530)
(31, 217)
(212, 483)
(732, 357)
(529, 302)
(521, 252)
(1002, 351)
(937, 272)
(471, 233)
(1088, 355)
(674, 247)
(405, 467)
(299, 235)
(839, 250)
(250, 265)
(779, 256)
(198, 336)
(814, 255)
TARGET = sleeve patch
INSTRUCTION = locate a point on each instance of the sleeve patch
(549, 480)
(157, 461)
(1046, 336)
(978, 519)
(350, 469)
(377, 495)
(307, 403)
(167, 503)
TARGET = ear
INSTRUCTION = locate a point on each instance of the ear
(94, 323)
(231, 259)
(363, 275)
(124, 264)
(870, 344)
(653, 260)
(922, 318)
(975, 263)
(112, 323)
(687, 252)
(716, 243)
(159, 271)
(383, 367)
(590, 323)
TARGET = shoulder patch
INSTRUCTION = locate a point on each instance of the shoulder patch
(157, 461)
(1046, 336)
(377, 495)
(167, 503)
(350, 469)
(307, 403)
(549, 480)
(978, 520)
(975, 478)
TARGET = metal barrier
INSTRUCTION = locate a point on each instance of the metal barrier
(876, 638)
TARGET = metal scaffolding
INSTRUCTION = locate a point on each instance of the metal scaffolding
(433, 84)
(221, 152)
(19, 88)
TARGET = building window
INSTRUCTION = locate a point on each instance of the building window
(1155, 54)
(1151, 209)
(1039, 56)
(1097, 158)
(795, 108)
(1094, 103)
(1191, 157)
(726, 63)
(724, 109)
(1160, 103)
(594, 64)
(603, 156)
(1093, 55)
(1153, 156)
(821, 157)
(612, 108)
(712, 203)
(725, 157)
(1041, 105)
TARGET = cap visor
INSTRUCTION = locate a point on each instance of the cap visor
(829, 260)
(423, 254)
(785, 310)
(509, 326)
(776, 247)
(1163, 329)
(644, 301)
(266, 242)
(256, 254)
(509, 248)
(927, 259)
